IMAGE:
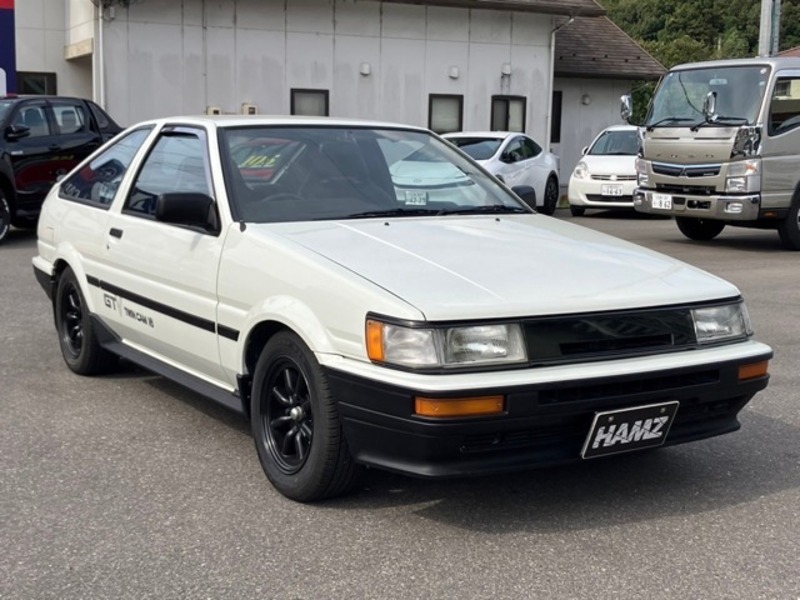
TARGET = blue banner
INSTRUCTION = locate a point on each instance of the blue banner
(8, 51)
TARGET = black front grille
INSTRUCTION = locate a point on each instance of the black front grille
(599, 198)
(694, 190)
(613, 334)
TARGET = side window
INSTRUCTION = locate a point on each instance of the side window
(71, 118)
(784, 110)
(530, 148)
(514, 152)
(97, 181)
(35, 119)
(177, 163)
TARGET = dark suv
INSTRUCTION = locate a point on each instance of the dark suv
(43, 137)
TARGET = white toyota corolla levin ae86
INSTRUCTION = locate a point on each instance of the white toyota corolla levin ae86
(275, 266)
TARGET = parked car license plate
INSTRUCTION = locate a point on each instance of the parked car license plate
(662, 201)
(629, 429)
(610, 189)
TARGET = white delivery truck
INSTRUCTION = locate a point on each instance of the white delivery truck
(721, 146)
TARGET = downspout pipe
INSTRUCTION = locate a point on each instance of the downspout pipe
(549, 119)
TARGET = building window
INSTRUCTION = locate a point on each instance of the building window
(555, 123)
(508, 113)
(36, 83)
(445, 112)
(310, 103)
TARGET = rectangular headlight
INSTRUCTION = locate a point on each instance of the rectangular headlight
(720, 323)
(483, 344)
(420, 347)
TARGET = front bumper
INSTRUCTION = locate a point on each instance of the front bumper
(588, 193)
(543, 423)
(724, 208)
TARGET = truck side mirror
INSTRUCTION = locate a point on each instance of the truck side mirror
(626, 107)
(710, 106)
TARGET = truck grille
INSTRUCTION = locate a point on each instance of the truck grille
(694, 190)
(686, 170)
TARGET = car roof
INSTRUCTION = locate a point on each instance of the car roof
(225, 121)
(493, 135)
(623, 127)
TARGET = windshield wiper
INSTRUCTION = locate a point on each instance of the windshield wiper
(484, 210)
(668, 120)
(395, 212)
(717, 119)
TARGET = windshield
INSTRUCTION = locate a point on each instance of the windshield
(680, 97)
(615, 143)
(278, 174)
(477, 148)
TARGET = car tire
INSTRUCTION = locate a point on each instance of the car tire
(5, 217)
(789, 228)
(296, 424)
(577, 211)
(551, 193)
(700, 230)
(76, 335)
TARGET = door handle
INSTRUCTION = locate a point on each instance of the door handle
(54, 148)
(117, 233)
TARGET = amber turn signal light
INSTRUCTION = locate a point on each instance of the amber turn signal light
(375, 340)
(753, 370)
(459, 407)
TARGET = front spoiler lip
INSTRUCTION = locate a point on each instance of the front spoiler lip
(543, 424)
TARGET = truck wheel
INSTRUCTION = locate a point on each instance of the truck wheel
(577, 211)
(5, 217)
(700, 229)
(550, 200)
(79, 346)
(296, 425)
(789, 229)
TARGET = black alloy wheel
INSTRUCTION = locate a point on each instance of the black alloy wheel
(550, 200)
(5, 217)
(296, 425)
(288, 416)
(76, 336)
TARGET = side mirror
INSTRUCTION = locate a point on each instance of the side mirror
(626, 107)
(710, 106)
(16, 132)
(190, 209)
(585, 150)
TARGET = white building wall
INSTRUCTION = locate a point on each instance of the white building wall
(41, 37)
(164, 57)
(580, 122)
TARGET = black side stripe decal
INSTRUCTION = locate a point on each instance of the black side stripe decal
(199, 322)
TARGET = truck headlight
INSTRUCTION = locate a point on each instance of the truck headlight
(421, 347)
(642, 180)
(744, 176)
(719, 323)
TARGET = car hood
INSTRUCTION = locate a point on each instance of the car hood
(610, 165)
(470, 267)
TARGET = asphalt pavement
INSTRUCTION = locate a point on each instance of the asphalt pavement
(129, 486)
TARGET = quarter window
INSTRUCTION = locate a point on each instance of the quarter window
(177, 163)
(508, 113)
(445, 113)
(97, 182)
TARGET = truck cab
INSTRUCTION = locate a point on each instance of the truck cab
(721, 146)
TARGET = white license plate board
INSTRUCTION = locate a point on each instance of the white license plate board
(627, 429)
(416, 198)
(610, 189)
(662, 201)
